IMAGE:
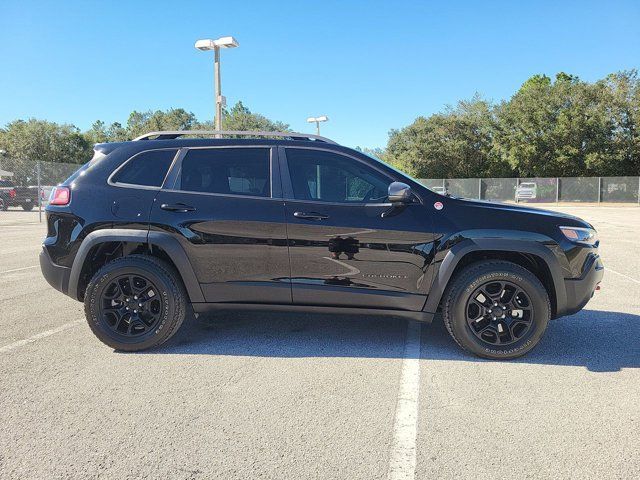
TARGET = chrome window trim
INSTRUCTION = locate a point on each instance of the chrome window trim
(135, 185)
(233, 195)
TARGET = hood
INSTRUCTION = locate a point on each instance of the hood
(576, 221)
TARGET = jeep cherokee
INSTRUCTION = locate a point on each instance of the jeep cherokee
(151, 227)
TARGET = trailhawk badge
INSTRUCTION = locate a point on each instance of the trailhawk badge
(438, 206)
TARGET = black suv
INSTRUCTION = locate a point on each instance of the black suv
(290, 221)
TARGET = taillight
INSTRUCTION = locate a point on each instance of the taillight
(60, 196)
(12, 193)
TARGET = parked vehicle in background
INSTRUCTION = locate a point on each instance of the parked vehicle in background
(526, 191)
(287, 221)
(14, 196)
(46, 193)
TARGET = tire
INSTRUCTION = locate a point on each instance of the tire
(473, 319)
(110, 301)
(27, 207)
(3, 205)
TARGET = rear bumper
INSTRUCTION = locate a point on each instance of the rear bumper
(57, 276)
(580, 290)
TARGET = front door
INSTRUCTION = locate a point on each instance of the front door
(225, 207)
(343, 251)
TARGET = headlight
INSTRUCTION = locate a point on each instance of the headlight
(580, 235)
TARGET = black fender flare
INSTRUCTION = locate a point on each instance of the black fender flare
(458, 251)
(163, 240)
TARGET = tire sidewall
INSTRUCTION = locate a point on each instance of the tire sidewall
(123, 342)
(541, 314)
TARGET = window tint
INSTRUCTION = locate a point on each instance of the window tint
(327, 176)
(240, 171)
(147, 168)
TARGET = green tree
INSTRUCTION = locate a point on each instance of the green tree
(618, 108)
(553, 128)
(455, 143)
(33, 140)
(239, 117)
(101, 133)
(140, 123)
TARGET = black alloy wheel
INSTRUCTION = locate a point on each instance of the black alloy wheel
(496, 309)
(130, 305)
(499, 313)
(135, 302)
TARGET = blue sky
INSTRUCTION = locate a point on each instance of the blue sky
(369, 65)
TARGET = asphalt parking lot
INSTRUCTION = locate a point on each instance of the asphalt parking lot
(272, 395)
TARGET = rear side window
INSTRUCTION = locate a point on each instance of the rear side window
(237, 171)
(147, 168)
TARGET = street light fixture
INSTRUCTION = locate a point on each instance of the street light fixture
(317, 120)
(215, 45)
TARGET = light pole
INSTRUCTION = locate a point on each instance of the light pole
(317, 120)
(216, 45)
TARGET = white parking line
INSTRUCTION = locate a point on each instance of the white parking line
(607, 269)
(38, 336)
(18, 269)
(402, 460)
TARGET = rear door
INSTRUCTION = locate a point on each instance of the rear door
(343, 251)
(224, 205)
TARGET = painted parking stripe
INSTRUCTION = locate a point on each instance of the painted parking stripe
(18, 269)
(39, 336)
(607, 269)
(402, 460)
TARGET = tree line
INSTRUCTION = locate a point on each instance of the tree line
(549, 128)
(62, 143)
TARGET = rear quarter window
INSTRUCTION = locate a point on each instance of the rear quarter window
(146, 169)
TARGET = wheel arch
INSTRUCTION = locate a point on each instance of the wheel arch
(532, 255)
(101, 246)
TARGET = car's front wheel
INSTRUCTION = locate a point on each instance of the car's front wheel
(496, 309)
(135, 302)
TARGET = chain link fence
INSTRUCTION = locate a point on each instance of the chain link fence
(542, 190)
(25, 185)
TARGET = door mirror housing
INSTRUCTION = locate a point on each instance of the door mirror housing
(400, 193)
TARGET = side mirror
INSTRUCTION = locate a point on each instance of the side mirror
(400, 193)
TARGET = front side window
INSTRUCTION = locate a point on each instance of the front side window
(326, 176)
(146, 169)
(237, 171)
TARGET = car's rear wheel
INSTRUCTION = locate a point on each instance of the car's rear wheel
(27, 207)
(135, 302)
(496, 309)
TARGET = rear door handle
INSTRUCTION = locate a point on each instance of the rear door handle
(177, 207)
(310, 215)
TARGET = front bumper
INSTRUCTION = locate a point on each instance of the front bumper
(56, 275)
(580, 290)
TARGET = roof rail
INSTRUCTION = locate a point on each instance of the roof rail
(171, 134)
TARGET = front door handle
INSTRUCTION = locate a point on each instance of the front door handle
(177, 207)
(310, 215)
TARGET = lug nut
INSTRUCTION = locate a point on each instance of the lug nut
(127, 308)
(135, 297)
(139, 304)
(135, 311)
